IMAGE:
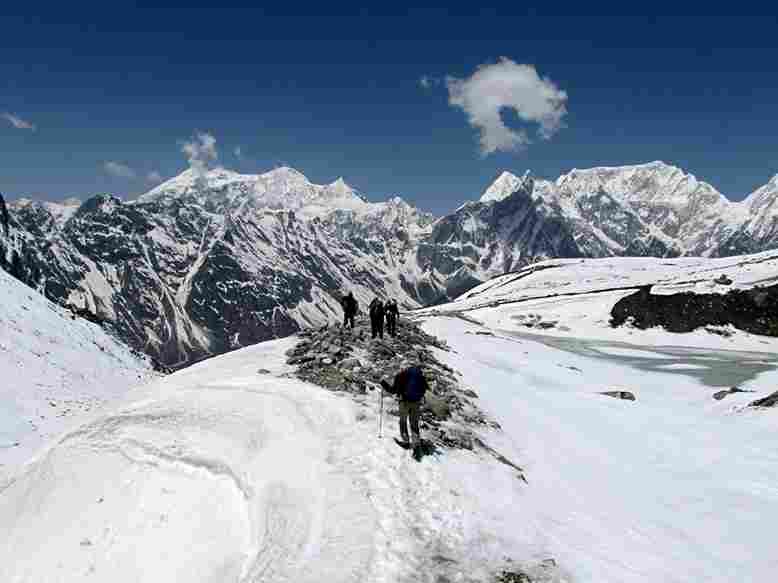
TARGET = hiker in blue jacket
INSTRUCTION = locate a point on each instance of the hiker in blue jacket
(409, 386)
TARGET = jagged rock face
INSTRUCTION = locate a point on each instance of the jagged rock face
(763, 209)
(483, 239)
(754, 310)
(209, 262)
(189, 271)
(5, 219)
(662, 196)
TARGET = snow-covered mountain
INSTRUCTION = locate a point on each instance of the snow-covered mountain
(209, 262)
(214, 260)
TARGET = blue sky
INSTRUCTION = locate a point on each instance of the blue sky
(336, 93)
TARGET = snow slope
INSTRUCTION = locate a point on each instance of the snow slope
(575, 296)
(223, 473)
(54, 370)
(674, 487)
(233, 470)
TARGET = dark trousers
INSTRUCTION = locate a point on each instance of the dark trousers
(410, 411)
(348, 318)
(377, 327)
(391, 325)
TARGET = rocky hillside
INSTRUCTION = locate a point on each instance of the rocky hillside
(213, 260)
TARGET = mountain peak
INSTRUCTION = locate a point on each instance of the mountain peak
(280, 188)
(285, 173)
(505, 185)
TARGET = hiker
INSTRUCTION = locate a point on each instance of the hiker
(409, 387)
(377, 318)
(350, 308)
(392, 313)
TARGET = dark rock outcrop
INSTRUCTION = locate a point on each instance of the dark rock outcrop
(770, 400)
(5, 218)
(723, 280)
(725, 393)
(326, 357)
(754, 310)
(624, 395)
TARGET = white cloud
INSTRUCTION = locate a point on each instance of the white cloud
(17, 122)
(201, 153)
(508, 85)
(154, 176)
(119, 170)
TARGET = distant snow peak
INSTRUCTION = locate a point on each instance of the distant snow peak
(506, 184)
(279, 188)
(284, 173)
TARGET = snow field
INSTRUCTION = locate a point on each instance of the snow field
(674, 487)
(221, 473)
(577, 295)
(54, 371)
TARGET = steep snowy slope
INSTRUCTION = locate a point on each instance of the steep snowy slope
(689, 212)
(763, 207)
(54, 370)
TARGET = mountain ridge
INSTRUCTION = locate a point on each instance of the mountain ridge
(209, 261)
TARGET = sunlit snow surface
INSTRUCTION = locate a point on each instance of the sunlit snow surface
(222, 472)
(54, 370)
(674, 487)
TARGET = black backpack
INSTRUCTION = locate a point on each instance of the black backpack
(415, 385)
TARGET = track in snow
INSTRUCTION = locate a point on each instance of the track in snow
(231, 480)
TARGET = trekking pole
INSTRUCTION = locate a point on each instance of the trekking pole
(381, 417)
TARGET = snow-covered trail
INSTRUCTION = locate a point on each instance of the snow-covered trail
(675, 487)
(213, 474)
(223, 472)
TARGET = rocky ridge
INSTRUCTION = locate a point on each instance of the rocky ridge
(351, 362)
(344, 360)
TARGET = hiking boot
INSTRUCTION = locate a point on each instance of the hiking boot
(417, 453)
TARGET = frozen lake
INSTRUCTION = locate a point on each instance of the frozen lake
(714, 368)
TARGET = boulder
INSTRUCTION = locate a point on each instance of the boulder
(625, 395)
(351, 362)
(723, 280)
(513, 577)
(722, 394)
